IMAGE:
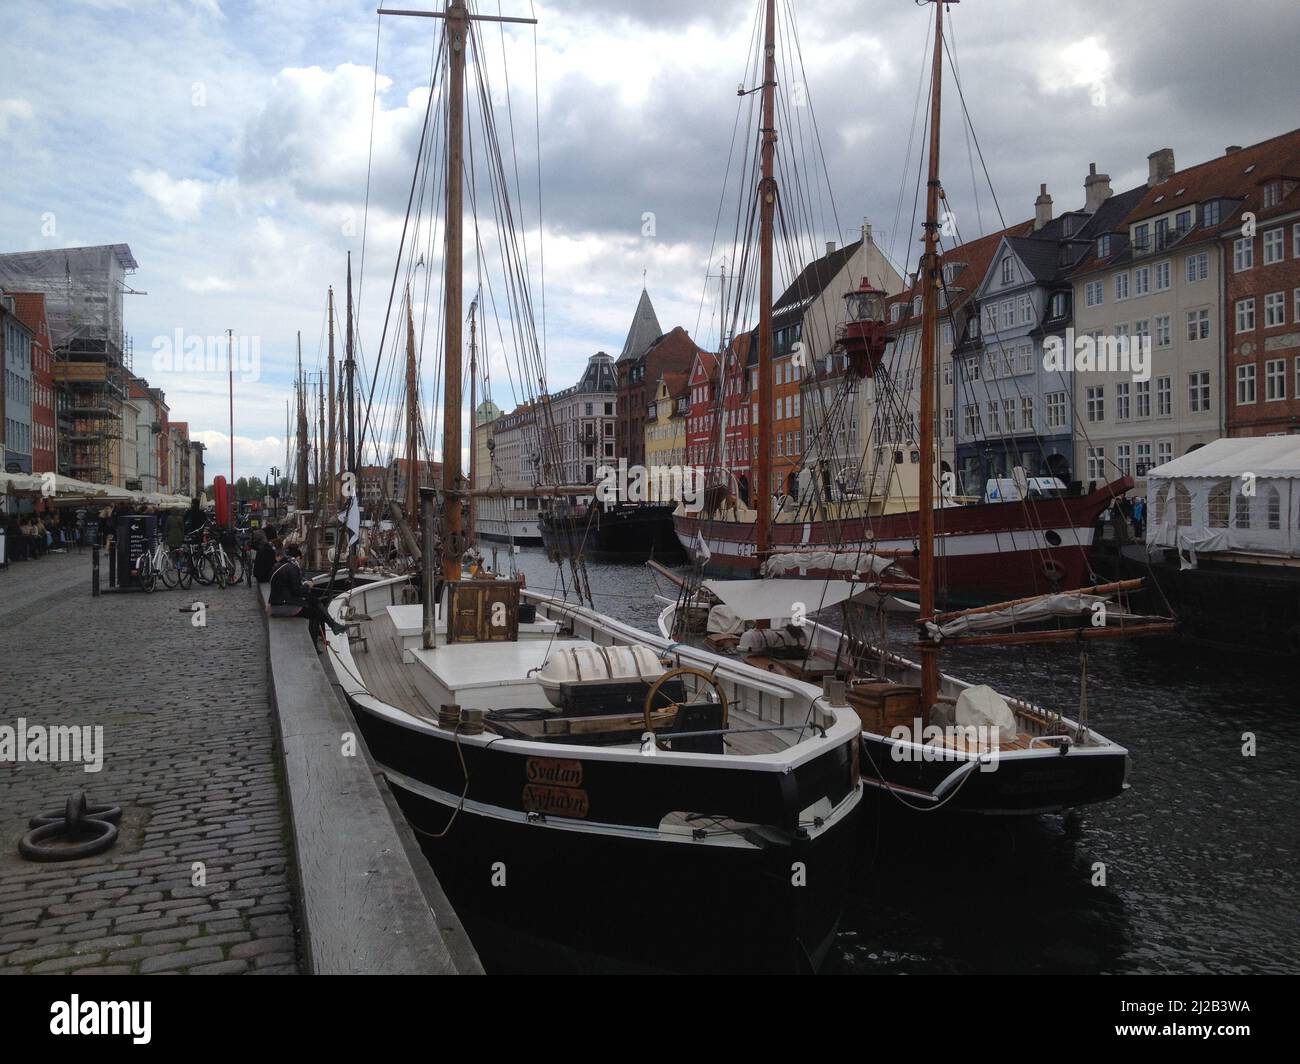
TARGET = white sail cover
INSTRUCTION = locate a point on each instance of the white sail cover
(779, 600)
(983, 707)
(825, 561)
(1232, 495)
(1046, 607)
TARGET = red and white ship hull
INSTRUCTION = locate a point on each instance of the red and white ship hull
(988, 552)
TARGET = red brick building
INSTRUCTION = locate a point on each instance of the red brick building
(29, 307)
(1260, 245)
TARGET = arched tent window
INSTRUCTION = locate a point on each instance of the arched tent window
(1183, 505)
(1273, 507)
(1220, 502)
(1241, 511)
(1162, 500)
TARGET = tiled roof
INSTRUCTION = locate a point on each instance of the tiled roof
(810, 284)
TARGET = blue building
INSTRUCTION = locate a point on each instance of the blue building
(17, 341)
(1009, 409)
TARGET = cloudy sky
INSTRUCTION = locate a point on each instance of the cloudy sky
(228, 142)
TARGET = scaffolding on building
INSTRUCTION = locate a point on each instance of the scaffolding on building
(83, 289)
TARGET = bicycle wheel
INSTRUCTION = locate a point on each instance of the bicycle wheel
(219, 572)
(235, 567)
(146, 574)
(167, 570)
(184, 570)
(204, 569)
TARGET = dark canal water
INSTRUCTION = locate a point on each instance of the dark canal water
(1201, 855)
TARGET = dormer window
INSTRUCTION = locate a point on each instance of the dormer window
(895, 311)
(1103, 247)
(1007, 277)
(1059, 305)
(1272, 194)
(1141, 236)
(1212, 213)
(916, 305)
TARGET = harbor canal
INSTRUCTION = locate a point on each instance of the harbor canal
(1199, 857)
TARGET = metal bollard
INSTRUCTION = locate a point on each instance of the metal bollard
(94, 571)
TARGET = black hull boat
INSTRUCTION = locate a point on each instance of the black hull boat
(734, 855)
(628, 533)
(1051, 764)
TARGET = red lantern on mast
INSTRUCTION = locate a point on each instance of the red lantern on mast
(863, 335)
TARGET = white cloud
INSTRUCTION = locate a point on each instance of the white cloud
(14, 110)
(180, 199)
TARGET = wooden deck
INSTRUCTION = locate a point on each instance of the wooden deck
(388, 678)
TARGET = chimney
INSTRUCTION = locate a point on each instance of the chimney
(1160, 167)
(1042, 208)
(830, 247)
(1231, 148)
(1096, 189)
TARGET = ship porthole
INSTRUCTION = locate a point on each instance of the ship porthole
(1053, 537)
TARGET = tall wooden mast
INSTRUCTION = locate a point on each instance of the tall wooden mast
(411, 502)
(349, 374)
(452, 486)
(472, 522)
(762, 487)
(457, 19)
(304, 499)
(330, 468)
(930, 275)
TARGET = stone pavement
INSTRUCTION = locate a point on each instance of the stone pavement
(200, 879)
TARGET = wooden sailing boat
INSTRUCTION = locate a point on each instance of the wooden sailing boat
(581, 764)
(929, 740)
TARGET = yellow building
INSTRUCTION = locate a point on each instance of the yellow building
(665, 425)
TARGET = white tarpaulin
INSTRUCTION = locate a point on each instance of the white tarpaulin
(1265, 456)
(775, 600)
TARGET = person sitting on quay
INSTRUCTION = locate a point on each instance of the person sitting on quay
(291, 597)
(268, 554)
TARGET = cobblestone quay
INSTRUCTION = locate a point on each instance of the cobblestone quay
(200, 879)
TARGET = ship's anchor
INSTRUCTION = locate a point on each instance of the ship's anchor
(89, 829)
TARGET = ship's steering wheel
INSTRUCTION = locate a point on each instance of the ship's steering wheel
(683, 670)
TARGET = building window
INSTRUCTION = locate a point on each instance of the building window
(1183, 222)
(1243, 253)
(1198, 392)
(1143, 457)
(1164, 397)
(1245, 314)
(1121, 286)
(1272, 194)
(995, 416)
(1056, 404)
(1198, 324)
(1274, 309)
(1164, 330)
(1124, 459)
(1274, 245)
(1059, 300)
(1026, 306)
(1027, 412)
(1007, 276)
(1162, 276)
(1143, 391)
(1096, 463)
(1092, 294)
(1141, 237)
(1274, 380)
(1103, 247)
(1096, 402)
(1123, 401)
(1164, 451)
(948, 423)
(1009, 414)
(1245, 384)
(1142, 280)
